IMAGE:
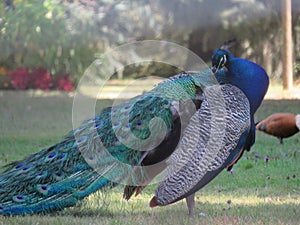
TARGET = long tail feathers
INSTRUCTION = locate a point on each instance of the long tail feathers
(30, 187)
(49, 180)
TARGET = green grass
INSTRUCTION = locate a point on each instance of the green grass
(256, 192)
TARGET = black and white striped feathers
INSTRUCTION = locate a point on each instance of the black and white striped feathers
(210, 143)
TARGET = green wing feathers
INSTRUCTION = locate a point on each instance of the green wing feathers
(99, 154)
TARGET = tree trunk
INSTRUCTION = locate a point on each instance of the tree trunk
(267, 57)
(287, 45)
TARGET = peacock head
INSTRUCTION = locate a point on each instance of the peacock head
(220, 59)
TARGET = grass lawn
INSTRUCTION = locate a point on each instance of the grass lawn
(256, 193)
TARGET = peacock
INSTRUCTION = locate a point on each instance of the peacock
(115, 147)
(280, 125)
(216, 136)
(132, 142)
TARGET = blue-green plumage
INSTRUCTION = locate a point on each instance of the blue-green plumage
(108, 149)
(103, 150)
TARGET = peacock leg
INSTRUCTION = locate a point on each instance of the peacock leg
(190, 201)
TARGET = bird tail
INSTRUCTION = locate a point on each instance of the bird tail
(50, 180)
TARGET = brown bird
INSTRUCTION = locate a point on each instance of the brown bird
(281, 125)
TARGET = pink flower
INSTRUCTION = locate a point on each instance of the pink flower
(64, 83)
(41, 79)
(20, 78)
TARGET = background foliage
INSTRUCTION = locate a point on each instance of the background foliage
(65, 36)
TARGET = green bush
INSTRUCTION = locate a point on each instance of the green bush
(38, 34)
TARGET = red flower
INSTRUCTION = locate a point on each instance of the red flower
(64, 83)
(41, 79)
(20, 78)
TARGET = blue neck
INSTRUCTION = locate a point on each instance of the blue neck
(250, 78)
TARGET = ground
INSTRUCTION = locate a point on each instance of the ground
(256, 192)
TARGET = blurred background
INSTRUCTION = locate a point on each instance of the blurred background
(48, 44)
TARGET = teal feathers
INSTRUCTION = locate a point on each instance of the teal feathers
(102, 151)
(132, 142)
